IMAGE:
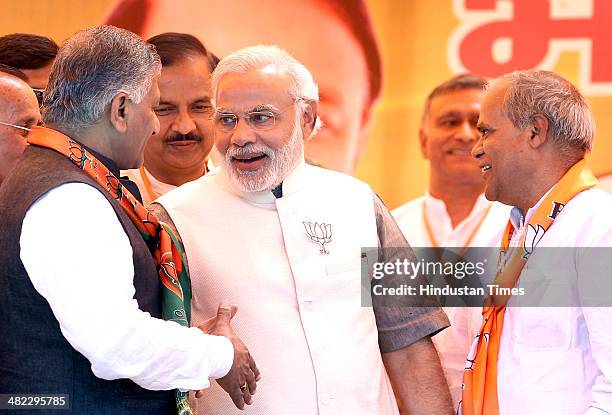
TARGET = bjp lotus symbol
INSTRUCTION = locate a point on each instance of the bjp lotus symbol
(319, 233)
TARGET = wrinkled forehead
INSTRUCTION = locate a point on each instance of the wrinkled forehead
(244, 91)
(494, 97)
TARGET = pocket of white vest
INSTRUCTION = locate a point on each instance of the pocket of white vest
(351, 265)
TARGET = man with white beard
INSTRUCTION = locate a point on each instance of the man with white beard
(283, 239)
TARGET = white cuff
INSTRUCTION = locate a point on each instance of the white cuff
(221, 361)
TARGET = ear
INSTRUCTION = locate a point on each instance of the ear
(309, 118)
(119, 111)
(423, 143)
(538, 131)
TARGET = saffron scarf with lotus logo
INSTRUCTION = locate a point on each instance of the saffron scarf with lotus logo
(479, 396)
(164, 246)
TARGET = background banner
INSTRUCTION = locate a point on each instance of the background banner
(374, 79)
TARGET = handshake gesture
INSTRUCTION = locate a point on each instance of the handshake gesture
(241, 381)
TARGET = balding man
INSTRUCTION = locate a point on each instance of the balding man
(536, 130)
(18, 113)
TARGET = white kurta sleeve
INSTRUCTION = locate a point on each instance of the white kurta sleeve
(79, 259)
(594, 264)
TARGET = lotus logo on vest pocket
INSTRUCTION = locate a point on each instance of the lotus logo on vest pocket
(319, 233)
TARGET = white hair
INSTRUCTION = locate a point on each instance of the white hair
(303, 87)
(532, 92)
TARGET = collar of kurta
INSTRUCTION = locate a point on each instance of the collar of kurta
(292, 183)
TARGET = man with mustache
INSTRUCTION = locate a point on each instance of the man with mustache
(178, 154)
(454, 212)
(285, 238)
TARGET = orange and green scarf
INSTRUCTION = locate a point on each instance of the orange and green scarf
(164, 246)
(479, 396)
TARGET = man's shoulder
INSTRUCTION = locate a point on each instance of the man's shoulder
(587, 216)
(331, 178)
(409, 209)
(591, 202)
(189, 190)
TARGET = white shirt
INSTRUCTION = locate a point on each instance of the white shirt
(160, 188)
(79, 259)
(453, 343)
(558, 360)
(409, 217)
(300, 309)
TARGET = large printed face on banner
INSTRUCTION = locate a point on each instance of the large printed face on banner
(311, 32)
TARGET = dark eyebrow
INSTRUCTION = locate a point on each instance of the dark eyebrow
(483, 126)
(28, 122)
(199, 99)
(263, 107)
(450, 114)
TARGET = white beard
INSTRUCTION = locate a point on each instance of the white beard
(282, 162)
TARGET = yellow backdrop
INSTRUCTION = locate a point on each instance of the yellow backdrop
(414, 36)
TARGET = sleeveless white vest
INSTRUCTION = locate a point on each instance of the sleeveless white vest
(298, 296)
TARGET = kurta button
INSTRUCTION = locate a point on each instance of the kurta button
(308, 305)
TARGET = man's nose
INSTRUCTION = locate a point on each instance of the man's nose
(183, 123)
(478, 149)
(243, 133)
(468, 132)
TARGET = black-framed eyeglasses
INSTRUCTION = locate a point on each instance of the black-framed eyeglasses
(39, 95)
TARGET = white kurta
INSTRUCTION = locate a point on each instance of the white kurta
(299, 311)
(453, 343)
(558, 360)
(158, 187)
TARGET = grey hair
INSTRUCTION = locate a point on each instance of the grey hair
(532, 92)
(303, 87)
(90, 69)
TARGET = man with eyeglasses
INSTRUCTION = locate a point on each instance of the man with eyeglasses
(284, 239)
(179, 153)
(18, 113)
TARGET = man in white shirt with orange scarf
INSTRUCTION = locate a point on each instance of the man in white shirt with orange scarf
(536, 130)
(454, 212)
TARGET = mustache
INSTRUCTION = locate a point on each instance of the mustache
(249, 149)
(190, 136)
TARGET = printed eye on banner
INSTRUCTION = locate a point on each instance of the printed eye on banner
(496, 37)
(319, 233)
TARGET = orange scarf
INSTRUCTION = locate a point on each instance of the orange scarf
(165, 249)
(479, 396)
